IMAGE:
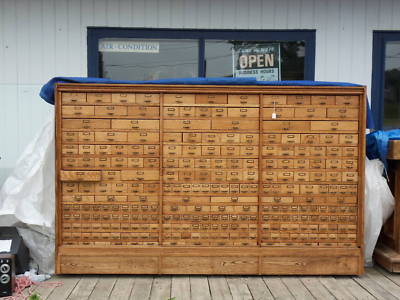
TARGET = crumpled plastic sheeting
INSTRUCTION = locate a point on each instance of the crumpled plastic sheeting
(379, 205)
(27, 198)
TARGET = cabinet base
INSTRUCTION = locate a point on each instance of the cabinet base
(387, 258)
(210, 261)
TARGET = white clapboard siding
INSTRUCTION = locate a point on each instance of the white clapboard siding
(40, 39)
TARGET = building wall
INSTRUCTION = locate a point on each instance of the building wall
(40, 39)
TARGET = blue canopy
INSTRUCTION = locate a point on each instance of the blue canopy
(47, 91)
(378, 141)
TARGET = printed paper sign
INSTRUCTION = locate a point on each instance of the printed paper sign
(129, 46)
(261, 61)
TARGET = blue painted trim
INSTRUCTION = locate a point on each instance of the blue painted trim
(378, 72)
(96, 33)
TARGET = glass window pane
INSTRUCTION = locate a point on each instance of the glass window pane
(145, 59)
(219, 57)
(391, 106)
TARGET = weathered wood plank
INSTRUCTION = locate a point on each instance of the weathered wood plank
(161, 288)
(392, 276)
(354, 288)
(219, 288)
(374, 288)
(180, 287)
(84, 288)
(122, 288)
(63, 291)
(258, 288)
(103, 288)
(335, 289)
(277, 288)
(316, 288)
(384, 282)
(238, 288)
(142, 287)
(45, 291)
(199, 288)
(296, 287)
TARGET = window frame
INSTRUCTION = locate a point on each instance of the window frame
(94, 34)
(380, 37)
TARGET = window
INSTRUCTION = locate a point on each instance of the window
(142, 54)
(386, 79)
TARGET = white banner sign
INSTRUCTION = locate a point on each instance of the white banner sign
(129, 46)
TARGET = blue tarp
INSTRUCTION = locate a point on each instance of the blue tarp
(47, 91)
(377, 143)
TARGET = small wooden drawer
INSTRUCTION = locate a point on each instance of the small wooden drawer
(348, 139)
(342, 113)
(248, 138)
(317, 151)
(322, 100)
(230, 150)
(140, 175)
(203, 112)
(203, 176)
(317, 176)
(248, 163)
(99, 98)
(270, 150)
(249, 150)
(298, 100)
(333, 164)
(285, 176)
(205, 163)
(250, 176)
(272, 138)
(187, 124)
(290, 138)
(172, 150)
(179, 99)
(211, 99)
(123, 98)
(333, 176)
(119, 162)
(111, 175)
(170, 176)
(334, 125)
(243, 112)
(243, 99)
(86, 149)
(310, 113)
(235, 124)
(120, 149)
(69, 137)
(110, 111)
(70, 149)
(269, 176)
(80, 175)
(285, 163)
(280, 113)
(135, 162)
(210, 138)
(234, 176)
(309, 139)
(350, 151)
(210, 150)
(191, 150)
(73, 98)
(86, 137)
(194, 138)
(230, 138)
(151, 150)
(147, 99)
(301, 163)
(171, 163)
(171, 137)
(271, 100)
(187, 111)
(349, 176)
(329, 139)
(218, 176)
(219, 112)
(143, 137)
(302, 151)
(282, 126)
(85, 162)
(103, 149)
(77, 111)
(317, 163)
(143, 111)
(349, 164)
(301, 177)
(85, 124)
(186, 163)
(347, 100)
(111, 137)
(136, 124)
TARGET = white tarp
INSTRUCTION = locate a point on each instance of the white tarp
(27, 198)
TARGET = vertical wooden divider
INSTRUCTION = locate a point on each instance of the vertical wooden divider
(260, 144)
(160, 192)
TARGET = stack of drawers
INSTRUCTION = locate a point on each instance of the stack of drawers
(223, 180)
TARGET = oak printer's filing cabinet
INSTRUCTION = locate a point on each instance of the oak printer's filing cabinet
(157, 179)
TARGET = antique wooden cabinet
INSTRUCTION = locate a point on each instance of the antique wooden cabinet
(178, 179)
